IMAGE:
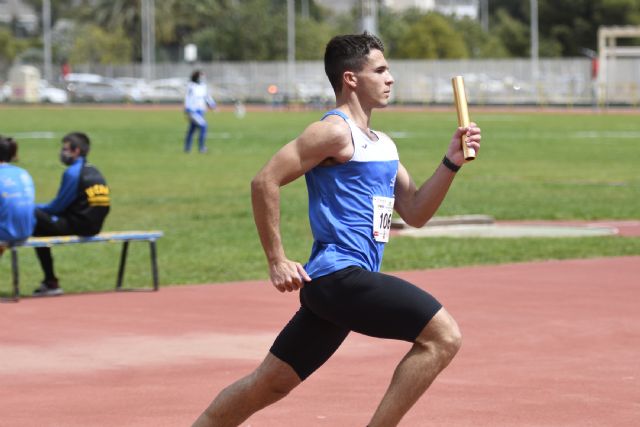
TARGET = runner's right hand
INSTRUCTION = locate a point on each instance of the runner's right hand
(287, 275)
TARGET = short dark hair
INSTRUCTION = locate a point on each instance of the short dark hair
(195, 76)
(8, 149)
(348, 53)
(78, 140)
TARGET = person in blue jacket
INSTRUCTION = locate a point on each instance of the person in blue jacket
(79, 208)
(17, 196)
(196, 102)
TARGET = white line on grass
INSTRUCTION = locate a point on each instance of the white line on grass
(34, 135)
(607, 134)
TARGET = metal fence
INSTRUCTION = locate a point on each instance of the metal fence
(566, 81)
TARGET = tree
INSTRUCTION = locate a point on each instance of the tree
(432, 37)
(393, 27)
(95, 45)
(518, 10)
(249, 30)
(11, 49)
(513, 33)
(311, 38)
(565, 26)
(179, 22)
(481, 44)
(256, 29)
(8, 46)
(616, 12)
(574, 24)
(114, 17)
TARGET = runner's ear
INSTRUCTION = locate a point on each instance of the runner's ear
(349, 79)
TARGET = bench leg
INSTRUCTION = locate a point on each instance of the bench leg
(123, 261)
(15, 274)
(154, 264)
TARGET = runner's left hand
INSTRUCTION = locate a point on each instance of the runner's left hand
(473, 134)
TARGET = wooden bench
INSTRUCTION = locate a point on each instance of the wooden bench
(113, 237)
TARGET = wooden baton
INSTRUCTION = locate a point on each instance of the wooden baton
(460, 98)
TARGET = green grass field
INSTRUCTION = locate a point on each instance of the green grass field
(532, 166)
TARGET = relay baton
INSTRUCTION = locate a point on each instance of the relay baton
(463, 115)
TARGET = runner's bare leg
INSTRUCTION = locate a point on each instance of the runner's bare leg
(434, 348)
(270, 382)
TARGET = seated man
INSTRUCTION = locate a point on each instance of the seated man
(17, 195)
(80, 207)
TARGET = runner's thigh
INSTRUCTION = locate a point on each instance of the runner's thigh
(307, 341)
(371, 303)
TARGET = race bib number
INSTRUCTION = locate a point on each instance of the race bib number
(382, 212)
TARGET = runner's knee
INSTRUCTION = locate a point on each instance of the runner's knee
(451, 340)
(441, 335)
(276, 377)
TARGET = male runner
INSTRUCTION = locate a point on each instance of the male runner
(354, 181)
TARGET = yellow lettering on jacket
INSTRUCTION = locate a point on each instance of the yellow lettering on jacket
(97, 195)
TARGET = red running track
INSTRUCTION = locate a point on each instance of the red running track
(552, 343)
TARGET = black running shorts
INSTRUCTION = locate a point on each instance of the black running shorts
(352, 299)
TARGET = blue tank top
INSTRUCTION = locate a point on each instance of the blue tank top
(341, 204)
(17, 194)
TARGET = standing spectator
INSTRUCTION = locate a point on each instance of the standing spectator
(196, 103)
(17, 195)
(79, 208)
(65, 70)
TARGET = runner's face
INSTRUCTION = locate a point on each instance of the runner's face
(375, 80)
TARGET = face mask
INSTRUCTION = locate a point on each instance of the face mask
(66, 158)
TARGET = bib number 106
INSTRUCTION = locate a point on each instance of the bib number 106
(385, 221)
(382, 213)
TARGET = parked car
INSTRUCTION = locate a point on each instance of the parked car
(135, 88)
(83, 78)
(105, 90)
(48, 93)
(166, 90)
(52, 94)
(5, 92)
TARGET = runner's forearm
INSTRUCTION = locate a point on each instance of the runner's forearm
(431, 193)
(265, 199)
(417, 205)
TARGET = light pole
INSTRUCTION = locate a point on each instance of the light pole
(484, 15)
(148, 22)
(291, 45)
(370, 16)
(46, 38)
(534, 40)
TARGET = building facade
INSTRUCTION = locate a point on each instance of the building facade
(20, 16)
(459, 8)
